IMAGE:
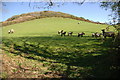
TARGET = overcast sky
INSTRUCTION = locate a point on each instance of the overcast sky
(88, 10)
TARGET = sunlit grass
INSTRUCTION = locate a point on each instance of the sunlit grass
(50, 26)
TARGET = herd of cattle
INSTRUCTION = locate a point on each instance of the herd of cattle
(63, 33)
(105, 34)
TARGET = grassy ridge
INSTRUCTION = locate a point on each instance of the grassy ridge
(43, 14)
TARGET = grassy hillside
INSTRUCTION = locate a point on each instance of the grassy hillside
(50, 26)
(60, 57)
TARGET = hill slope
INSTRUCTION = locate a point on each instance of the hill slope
(42, 14)
(50, 26)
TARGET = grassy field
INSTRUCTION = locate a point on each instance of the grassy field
(67, 57)
(50, 26)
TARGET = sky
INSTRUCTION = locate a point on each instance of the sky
(88, 10)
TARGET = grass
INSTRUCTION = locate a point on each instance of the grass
(50, 26)
(69, 56)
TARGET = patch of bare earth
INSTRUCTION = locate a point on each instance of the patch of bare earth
(15, 66)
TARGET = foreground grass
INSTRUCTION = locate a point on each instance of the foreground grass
(69, 57)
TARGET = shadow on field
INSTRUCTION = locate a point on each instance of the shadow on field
(84, 57)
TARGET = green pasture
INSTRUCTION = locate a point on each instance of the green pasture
(50, 26)
(70, 56)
